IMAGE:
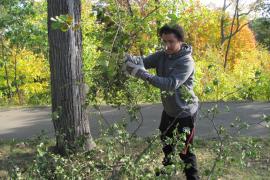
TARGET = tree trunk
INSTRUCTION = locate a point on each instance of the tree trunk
(18, 91)
(69, 112)
(6, 72)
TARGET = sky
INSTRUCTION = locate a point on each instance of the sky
(243, 4)
(219, 3)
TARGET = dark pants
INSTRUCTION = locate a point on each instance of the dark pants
(186, 155)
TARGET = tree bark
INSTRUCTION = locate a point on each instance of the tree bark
(230, 36)
(6, 72)
(18, 91)
(69, 112)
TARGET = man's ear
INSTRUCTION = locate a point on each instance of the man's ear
(181, 43)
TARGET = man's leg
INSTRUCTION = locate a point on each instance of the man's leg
(188, 157)
(166, 129)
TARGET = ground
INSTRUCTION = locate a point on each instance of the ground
(22, 153)
(247, 154)
(27, 122)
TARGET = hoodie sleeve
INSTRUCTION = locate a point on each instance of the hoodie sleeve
(182, 70)
(151, 60)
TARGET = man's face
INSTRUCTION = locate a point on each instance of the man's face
(171, 43)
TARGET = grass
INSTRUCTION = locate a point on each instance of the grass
(14, 153)
(255, 165)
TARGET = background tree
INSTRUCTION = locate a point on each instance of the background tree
(237, 23)
(262, 32)
(20, 27)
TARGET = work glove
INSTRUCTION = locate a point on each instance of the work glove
(132, 64)
(134, 59)
(134, 68)
(138, 71)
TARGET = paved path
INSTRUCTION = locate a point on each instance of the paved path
(27, 122)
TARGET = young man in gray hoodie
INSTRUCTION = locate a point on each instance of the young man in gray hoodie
(175, 76)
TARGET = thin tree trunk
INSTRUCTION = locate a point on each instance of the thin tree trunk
(236, 17)
(129, 8)
(222, 28)
(15, 79)
(69, 113)
(230, 36)
(6, 72)
(157, 3)
(7, 80)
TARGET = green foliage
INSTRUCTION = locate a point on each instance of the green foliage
(23, 29)
(30, 77)
(243, 82)
(261, 28)
(64, 23)
(22, 24)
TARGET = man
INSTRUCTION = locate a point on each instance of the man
(175, 75)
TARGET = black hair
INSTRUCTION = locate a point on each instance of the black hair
(176, 29)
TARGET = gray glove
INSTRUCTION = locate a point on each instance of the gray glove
(134, 68)
(132, 64)
(134, 59)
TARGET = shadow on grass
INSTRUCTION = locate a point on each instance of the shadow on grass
(19, 157)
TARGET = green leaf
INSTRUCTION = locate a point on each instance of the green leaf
(69, 19)
(56, 25)
(216, 82)
(64, 27)
(266, 118)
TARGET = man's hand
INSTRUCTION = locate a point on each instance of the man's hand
(132, 64)
(134, 59)
(138, 71)
(133, 69)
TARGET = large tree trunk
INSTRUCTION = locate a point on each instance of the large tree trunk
(69, 114)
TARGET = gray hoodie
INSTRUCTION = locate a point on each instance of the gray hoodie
(175, 77)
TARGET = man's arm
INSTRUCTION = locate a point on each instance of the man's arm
(151, 60)
(180, 74)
